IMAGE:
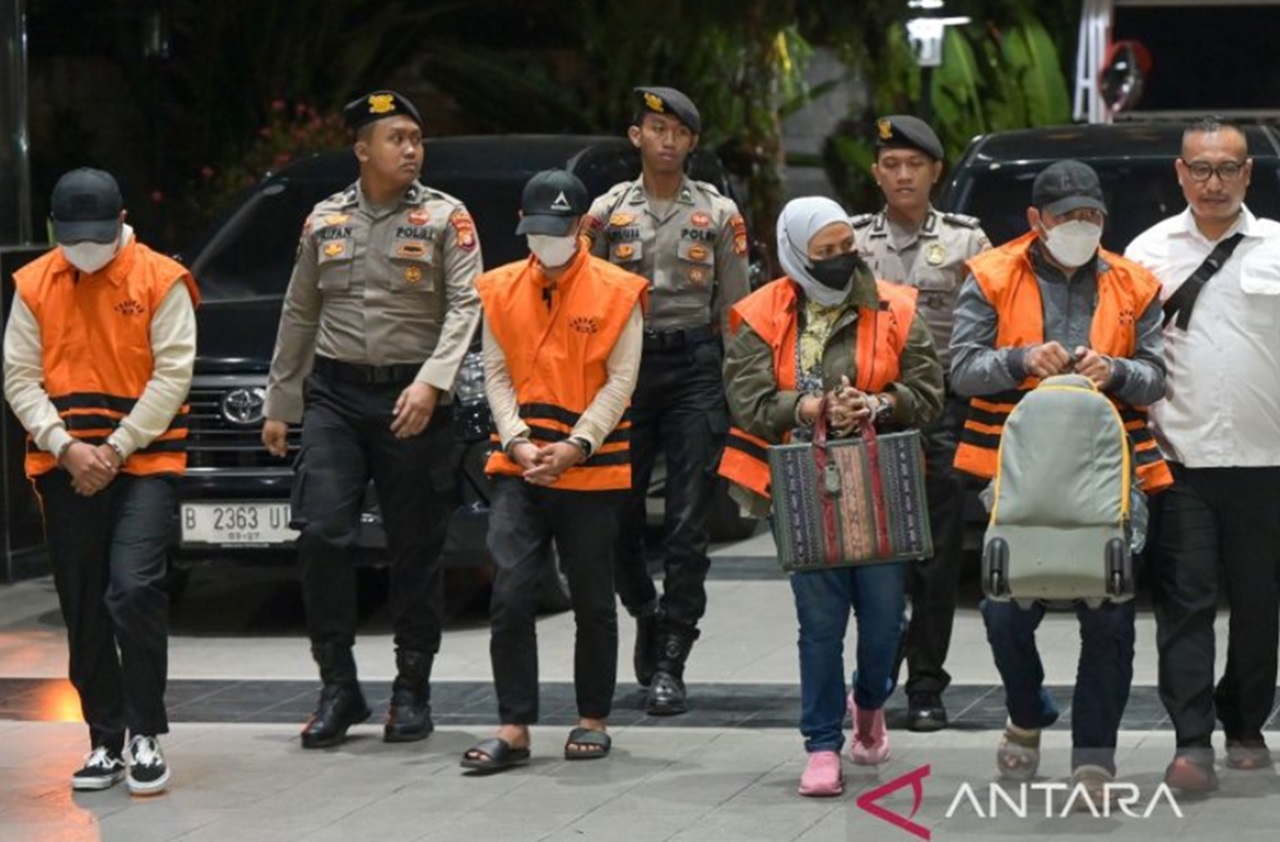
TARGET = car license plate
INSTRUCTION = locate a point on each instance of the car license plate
(236, 523)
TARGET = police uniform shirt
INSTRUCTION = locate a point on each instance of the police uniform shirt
(931, 259)
(378, 285)
(693, 252)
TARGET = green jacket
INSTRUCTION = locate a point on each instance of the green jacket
(759, 407)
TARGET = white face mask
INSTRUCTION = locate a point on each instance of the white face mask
(553, 251)
(1073, 243)
(89, 257)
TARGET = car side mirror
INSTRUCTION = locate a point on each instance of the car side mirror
(1124, 75)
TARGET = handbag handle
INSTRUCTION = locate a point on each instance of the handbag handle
(831, 483)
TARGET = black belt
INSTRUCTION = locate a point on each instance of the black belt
(665, 340)
(367, 375)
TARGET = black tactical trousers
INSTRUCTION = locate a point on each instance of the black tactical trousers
(679, 408)
(524, 520)
(1216, 524)
(932, 583)
(346, 441)
(109, 554)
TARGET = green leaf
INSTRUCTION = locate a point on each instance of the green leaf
(1033, 61)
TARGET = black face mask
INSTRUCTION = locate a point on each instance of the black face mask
(835, 272)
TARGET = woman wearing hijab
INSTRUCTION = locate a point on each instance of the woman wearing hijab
(829, 329)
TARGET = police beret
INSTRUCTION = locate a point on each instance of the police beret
(377, 105)
(669, 101)
(902, 131)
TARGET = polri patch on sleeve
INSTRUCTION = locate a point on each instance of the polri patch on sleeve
(464, 228)
(739, 233)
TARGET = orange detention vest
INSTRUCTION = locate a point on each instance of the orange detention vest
(1009, 283)
(96, 335)
(557, 357)
(771, 312)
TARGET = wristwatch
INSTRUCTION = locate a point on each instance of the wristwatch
(883, 409)
(118, 449)
(582, 444)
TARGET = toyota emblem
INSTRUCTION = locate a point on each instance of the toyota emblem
(244, 406)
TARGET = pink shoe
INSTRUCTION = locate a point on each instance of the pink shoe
(822, 778)
(870, 744)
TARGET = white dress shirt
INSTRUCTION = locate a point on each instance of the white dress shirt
(1222, 399)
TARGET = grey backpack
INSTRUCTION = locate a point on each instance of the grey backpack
(1060, 512)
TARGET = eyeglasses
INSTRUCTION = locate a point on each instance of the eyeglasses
(1203, 171)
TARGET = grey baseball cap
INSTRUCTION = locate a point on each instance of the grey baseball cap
(1065, 186)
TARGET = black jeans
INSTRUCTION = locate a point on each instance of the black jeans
(678, 406)
(933, 582)
(524, 520)
(109, 553)
(346, 440)
(1217, 523)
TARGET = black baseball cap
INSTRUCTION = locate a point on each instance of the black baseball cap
(86, 205)
(376, 106)
(668, 101)
(552, 203)
(1065, 186)
(902, 131)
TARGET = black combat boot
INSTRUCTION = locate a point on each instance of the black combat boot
(645, 657)
(409, 717)
(666, 693)
(341, 703)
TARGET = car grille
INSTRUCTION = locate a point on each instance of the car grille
(215, 442)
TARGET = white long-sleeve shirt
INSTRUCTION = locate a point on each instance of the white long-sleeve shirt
(1222, 400)
(173, 347)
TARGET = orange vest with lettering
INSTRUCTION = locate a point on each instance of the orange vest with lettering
(771, 312)
(1009, 283)
(95, 333)
(557, 358)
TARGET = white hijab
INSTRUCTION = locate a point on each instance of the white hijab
(798, 222)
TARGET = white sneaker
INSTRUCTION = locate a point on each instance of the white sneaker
(103, 768)
(148, 774)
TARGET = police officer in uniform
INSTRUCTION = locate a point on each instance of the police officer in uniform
(378, 315)
(690, 243)
(909, 242)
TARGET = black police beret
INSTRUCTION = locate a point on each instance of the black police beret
(377, 105)
(902, 131)
(669, 101)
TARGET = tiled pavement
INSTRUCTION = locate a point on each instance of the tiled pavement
(241, 682)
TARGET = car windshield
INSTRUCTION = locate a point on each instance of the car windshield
(252, 254)
(1138, 194)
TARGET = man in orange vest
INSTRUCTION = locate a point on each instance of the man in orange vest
(562, 344)
(98, 355)
(1052, 302)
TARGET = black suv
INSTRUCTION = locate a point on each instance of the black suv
(234, 497)
(1134, 161)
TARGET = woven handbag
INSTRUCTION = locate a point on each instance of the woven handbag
(842, 502)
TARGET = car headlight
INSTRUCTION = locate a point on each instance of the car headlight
(469, 387)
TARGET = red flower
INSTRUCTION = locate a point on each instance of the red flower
(277, 105)
(207, 172)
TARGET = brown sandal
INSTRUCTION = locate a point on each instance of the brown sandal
(1018, 757)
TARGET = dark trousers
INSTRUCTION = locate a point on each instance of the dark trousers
(1217, 523)
(109, 554)
(1104, 674)
(678, 407)
(933, 582)
(522, 523)
(346, 440)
